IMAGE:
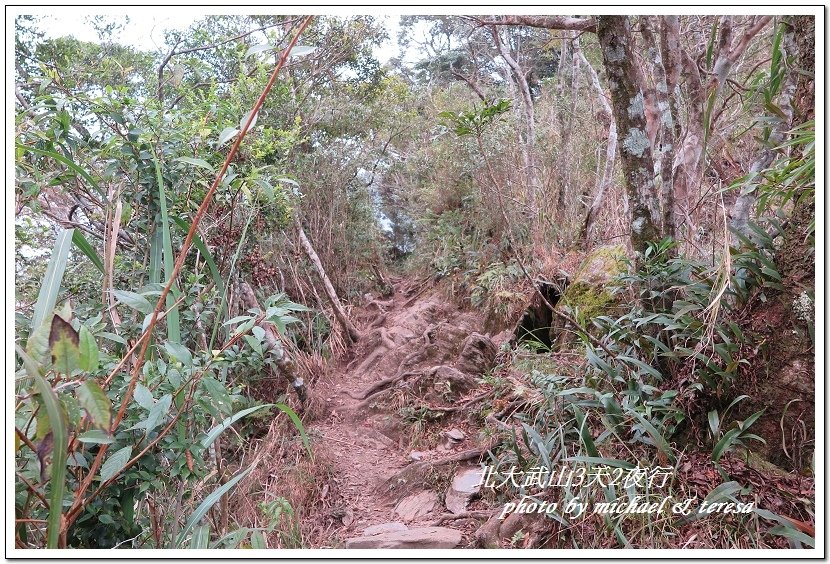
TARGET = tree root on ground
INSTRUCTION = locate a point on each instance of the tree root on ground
(483, 514)
(375, 388)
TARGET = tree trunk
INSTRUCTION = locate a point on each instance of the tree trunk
(339, 313)
(662, 59)
(626, 84)
(528, 147)
(604, 182)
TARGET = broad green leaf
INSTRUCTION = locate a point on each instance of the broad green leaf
(63, 344)
(134, 300)
(37, 345)
(725, 444)
(196, 162)
(156, 415)
(60, 441)
(227, 134)
(88, 350)
(258, 540)
(113, 337)
(115, 463)
(143, 397)
(179, 352)
(714, 422)
(209, 502)
(96, 403)
(50, 285)
(96, 436)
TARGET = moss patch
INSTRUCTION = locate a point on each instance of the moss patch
(591, 292)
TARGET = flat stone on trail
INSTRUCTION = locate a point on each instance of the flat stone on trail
(456, 435)
(384, 528)
(424, 537)
(417, 505)
(465, 484)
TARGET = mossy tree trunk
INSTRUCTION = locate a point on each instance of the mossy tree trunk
(625, 82)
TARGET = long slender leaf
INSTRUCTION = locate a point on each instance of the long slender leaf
(83, 245)
(231, 273)
(209, 502)
(218, 429)
(659, 441)
(585, 432)
(174, 332)
(49, 287)
(60, 442)
(69, 163)
(206, 254)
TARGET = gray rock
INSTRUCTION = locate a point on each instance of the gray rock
(416, 455)
(478, 354)
(465, 484)
(384, 528)
(417, 505)
(425, 537)
(456, 435)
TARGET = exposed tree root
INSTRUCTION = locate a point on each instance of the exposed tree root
(373, 389)
(483, 514)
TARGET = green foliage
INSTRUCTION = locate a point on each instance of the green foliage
(474, 122)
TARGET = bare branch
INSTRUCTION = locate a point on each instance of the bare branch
(545, 22)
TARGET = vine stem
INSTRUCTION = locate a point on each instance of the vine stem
(78, 502)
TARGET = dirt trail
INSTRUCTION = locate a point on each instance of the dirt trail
(405, 336)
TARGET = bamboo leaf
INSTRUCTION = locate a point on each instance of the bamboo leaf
(220, 428)
(49, 287)
(659, 441)
(253, 50)
(585, 432)
(60, 442)
(83, 245)
(96, 403)
(69, 163)
(206, 254)
(174, 332)
(201, 537)
(209, 502)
